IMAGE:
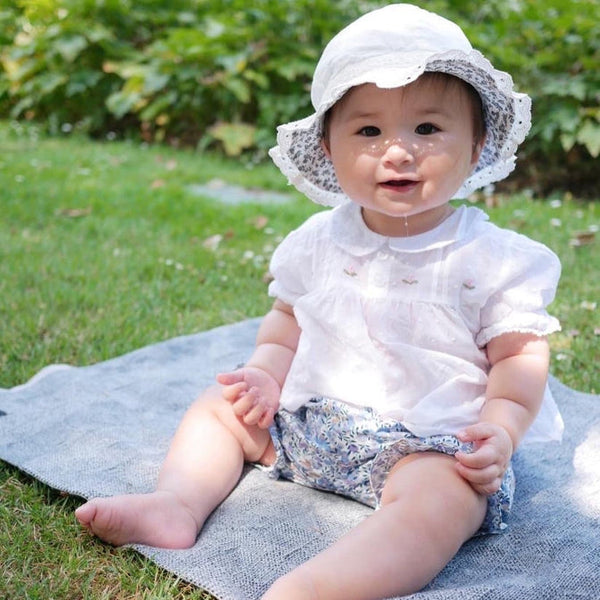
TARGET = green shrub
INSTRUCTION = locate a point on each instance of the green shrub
(227, 72)
(552, 49)
(57, 66)
(188, 71)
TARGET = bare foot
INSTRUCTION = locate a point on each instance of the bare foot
(159, 519)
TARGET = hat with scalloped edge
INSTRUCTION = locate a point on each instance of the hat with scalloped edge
(392, 47)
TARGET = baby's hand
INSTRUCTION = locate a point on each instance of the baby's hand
(253, 394)
(484, 468)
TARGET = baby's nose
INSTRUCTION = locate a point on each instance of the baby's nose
(398, 151)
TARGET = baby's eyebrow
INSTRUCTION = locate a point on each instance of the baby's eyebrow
(429, 111)
(421, 112)
(356, 115)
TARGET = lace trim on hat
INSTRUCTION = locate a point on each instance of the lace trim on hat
(309, 170)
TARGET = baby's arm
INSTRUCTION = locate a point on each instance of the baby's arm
(254, 389)
(515, 391)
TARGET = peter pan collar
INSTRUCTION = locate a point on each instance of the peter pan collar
(349, 232)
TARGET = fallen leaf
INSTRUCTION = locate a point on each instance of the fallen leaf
(75, 213)
(517, 223)
(582, 238)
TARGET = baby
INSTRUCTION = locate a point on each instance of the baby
(405, 356)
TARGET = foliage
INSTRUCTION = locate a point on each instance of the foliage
(226, 72)
(55, 70)
(553, 51)
(176, 71)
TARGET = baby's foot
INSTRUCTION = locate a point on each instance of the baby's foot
(159, 519)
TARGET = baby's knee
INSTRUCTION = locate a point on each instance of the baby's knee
(210, 406)
(255, 442)
(428, 486)
(296, 585)
(211, 400)
(430, 481)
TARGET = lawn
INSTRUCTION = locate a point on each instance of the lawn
(106, 247)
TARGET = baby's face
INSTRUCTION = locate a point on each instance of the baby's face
(402, 152)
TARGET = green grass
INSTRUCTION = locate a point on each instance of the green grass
(103, 250)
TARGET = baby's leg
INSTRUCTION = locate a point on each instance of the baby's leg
(427, 512)
(203, 465)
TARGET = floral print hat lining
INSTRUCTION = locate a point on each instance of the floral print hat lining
(391, 47)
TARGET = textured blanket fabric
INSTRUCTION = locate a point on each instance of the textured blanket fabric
(104, 429)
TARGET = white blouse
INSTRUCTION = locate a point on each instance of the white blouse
(401, 324)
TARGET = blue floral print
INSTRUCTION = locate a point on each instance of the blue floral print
(349, 450)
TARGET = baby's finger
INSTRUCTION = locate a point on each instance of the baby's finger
(245, 403)
(480, 476)
(476, 432)
(234, 392)
(255, 414)
(230, 377)
(489, 488)
(267, 419)
(482, 457)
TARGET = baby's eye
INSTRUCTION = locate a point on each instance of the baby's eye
(426, 129)
(369, 131)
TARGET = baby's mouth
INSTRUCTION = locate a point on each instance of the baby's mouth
(399, 183)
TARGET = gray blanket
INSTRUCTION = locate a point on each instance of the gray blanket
(104, 429)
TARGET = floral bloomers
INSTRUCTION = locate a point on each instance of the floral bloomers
(337, 447)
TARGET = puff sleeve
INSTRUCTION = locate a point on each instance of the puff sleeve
(291, 265)
(520, 290)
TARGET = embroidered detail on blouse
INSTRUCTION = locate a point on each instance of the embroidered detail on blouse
(469, 284)
(402, 347)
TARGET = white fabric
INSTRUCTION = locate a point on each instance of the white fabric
(392, 47)
(400, 324)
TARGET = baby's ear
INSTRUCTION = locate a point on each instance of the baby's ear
(477, 149)
(325, 146)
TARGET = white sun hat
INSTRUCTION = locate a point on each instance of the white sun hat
(391, 47)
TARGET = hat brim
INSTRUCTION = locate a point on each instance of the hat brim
(507, 114)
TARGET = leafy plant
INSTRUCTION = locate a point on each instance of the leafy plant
(552, 49)
(57, 69)
(225, 73)
(229, 73)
